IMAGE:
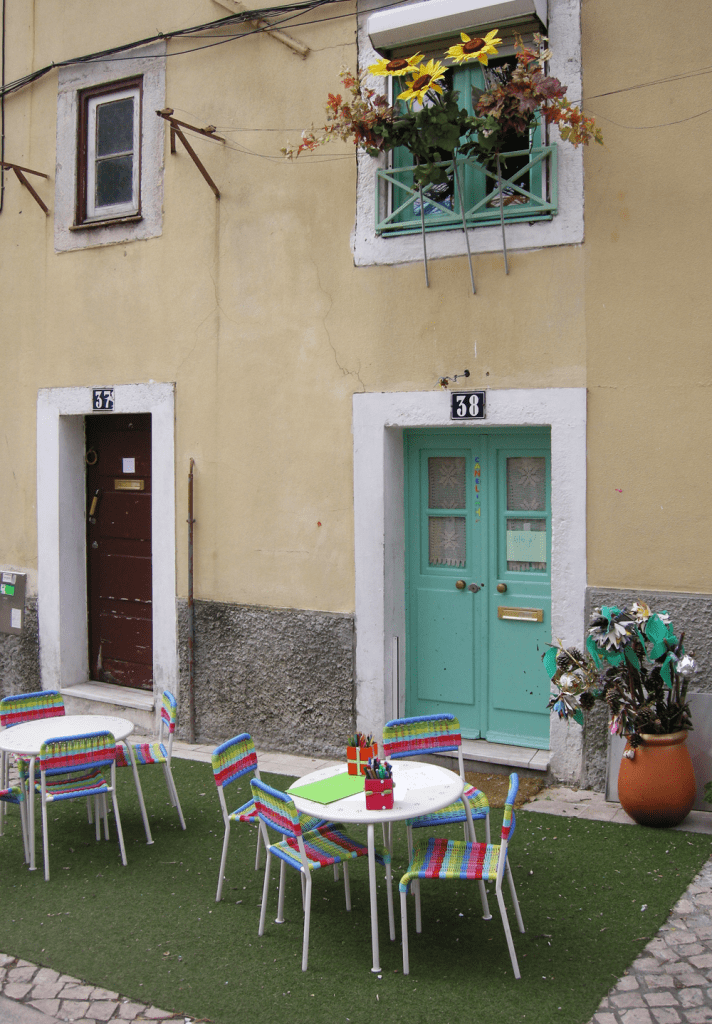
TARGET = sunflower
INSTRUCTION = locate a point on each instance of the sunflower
(427, 77)
(475, 48)
(397, 66)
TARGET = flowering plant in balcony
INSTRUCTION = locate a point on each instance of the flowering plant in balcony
(635, 664)
(521, 92)
(430, 123)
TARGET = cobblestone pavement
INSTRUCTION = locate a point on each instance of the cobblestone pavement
(671, 981)
(38, 995)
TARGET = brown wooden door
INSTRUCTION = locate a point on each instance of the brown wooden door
(119, 549)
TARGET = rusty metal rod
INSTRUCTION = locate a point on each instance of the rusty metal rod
(191, 612)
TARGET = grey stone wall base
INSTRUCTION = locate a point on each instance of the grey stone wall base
(284, 675)
(20, 656)
(689, 612)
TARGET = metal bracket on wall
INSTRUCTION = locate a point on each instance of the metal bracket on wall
(282, 37)
(176, 125)
(20, 175)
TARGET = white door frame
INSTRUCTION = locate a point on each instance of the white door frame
(379, 534)
(61, 530)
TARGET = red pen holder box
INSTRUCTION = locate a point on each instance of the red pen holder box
(357, 758)
(379, 794)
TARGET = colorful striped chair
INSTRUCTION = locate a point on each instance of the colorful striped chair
(73, 768)
(306, 851)
(158, 751)
(26, 707)
(231, 760)
(435, 734)
(16, 795)
(448, 858)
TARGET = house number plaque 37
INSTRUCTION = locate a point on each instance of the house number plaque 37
(467, 405)
(102, 399)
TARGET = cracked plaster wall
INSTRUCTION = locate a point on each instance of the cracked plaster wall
(20, 656)
(283, 675)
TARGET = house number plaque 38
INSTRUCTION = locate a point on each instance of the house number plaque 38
(467, 405)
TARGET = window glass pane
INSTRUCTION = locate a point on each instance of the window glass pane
(446, 483)
(114, 181)
(526, 545)
(526, 484)
(446, 540)
(115, 127)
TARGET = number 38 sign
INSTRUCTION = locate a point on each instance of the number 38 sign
(467, 405)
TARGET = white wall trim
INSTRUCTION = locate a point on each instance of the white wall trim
(378, 424)
(61, 530)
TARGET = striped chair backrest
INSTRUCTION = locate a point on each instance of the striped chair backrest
(428, 734)
(509, 821)
(73, 753)
(276, 809)
(234, 758)
(169, 712)
(28, 707)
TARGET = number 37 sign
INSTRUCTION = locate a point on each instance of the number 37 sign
(467, 405)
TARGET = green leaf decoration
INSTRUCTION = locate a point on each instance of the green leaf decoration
(632, 657)
(549, 660)
(592, 649)
(578, 716)
(666, 672)
(656, 630)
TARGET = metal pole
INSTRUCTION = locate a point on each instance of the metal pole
(422, 231)
(464, 222)
(501, 216)
(191, 612)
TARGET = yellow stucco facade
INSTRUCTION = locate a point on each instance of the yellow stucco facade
(255, 309)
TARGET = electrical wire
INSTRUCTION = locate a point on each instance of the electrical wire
(294, 11)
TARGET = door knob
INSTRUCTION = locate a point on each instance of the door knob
(474, 588)
(460, 584)
(502, 588)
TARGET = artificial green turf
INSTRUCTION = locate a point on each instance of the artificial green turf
(591, 893)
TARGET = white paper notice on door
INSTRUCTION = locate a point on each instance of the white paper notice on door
(526, 546)
(16, 618)
(129, 465)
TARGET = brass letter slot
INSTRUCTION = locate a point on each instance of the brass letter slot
(523, 614)
(128, 485)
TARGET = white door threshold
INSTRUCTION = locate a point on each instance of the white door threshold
(109, 693)
(506, 754)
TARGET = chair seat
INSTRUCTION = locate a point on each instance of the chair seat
(145, 753)
(479, 805)
(325, 846)
(451, 858)
(12, 795)
(248, 813)
(67, 787)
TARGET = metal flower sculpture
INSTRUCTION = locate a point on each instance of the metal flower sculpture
(634, 663)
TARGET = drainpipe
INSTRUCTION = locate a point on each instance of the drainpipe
(191, 612)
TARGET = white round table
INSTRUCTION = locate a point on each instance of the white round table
(419, 789)
(27, 738)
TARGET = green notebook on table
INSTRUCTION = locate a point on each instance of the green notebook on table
(326, 791)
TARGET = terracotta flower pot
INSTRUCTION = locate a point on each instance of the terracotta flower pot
(656, 787)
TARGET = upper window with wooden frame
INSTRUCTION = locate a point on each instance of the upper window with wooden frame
(109, 152)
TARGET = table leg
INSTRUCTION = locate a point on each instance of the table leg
(30, 802)
(374, 906)
(139, 793)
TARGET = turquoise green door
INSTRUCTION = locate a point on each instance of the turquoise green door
(478, 593)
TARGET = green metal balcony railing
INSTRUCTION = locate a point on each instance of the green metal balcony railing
(529, 192)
